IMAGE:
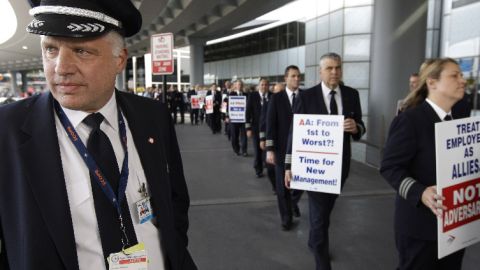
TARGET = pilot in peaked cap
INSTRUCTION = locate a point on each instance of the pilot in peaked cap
(83, 18)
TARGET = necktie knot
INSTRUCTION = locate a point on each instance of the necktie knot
(94, 120)
(448, 117)
(332, 93)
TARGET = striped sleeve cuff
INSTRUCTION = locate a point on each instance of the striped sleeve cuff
(360, 129)
(269, 143)
(405, 186)
(288, 159)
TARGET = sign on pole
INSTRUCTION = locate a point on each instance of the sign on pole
(457, 147)
(237, 109)
(162, 54)
(317, 150)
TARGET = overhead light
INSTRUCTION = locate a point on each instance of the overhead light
(25, 47)
(8, 21)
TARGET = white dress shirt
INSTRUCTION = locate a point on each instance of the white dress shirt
(77, 179)
(327, 97)
(440, 112)
(290, 94)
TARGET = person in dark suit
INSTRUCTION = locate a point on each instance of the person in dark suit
(193, 112)
(255, 103)
(237, 130)
(216, 120)
(65, 203)
(279, 118)
(328, 97)
(409, 166)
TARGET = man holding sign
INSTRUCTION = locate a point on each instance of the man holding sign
(409, 166)
(327, 98)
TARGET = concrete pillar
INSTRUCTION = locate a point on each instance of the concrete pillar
(24, 81)
(434, 24)
(13, 82)
(398, 49)
(196, 61)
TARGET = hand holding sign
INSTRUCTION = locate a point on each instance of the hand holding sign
(432, 200)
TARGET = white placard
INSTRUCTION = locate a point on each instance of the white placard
(317, 150)
(195, 102)
(209, 104)
(236, 108)
(457, 146)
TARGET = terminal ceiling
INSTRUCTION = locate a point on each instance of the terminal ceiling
(188, 20)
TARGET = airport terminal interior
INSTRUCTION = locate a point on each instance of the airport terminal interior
(234, 220)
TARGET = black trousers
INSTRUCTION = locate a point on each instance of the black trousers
(417, 254)
(216, 124)
(182, 114)
(258, 152)
(239, 137)
(286, 198)
(194, 116)
(320, 207)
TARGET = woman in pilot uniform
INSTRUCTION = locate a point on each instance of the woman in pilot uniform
(409, 165)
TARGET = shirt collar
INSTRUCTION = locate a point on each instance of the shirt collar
(440, 112)
(290, 92)
(326, 90)
(109, 111)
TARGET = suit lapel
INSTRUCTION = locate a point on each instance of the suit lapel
(430, 112)
(151, 153)
(321, 108)
(44, 172)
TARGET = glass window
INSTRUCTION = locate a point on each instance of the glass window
(358, 20)
(336, 23)
(356, 48)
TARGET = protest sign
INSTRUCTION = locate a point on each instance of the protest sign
(195, 102)
(317, 149)
(236, 108)
(209, 104)
(457, 147)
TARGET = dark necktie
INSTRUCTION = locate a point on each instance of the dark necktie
(293, 99)
(448, 117)
(333, 103)
(100, 147)
(264, 99)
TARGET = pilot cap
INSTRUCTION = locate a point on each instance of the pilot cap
(83, 18)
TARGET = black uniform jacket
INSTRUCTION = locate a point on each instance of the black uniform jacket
(279, 119)
(311, 101)
(35, 221)
(254, 110)
(409, 165)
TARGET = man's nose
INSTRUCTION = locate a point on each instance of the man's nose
(65, 63)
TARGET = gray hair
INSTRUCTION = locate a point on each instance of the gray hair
(330, 55)
(117, 41)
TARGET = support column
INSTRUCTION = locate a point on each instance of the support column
(434, 24)
(398, 49)
(13, 82)
(24, 81)
(196, 61)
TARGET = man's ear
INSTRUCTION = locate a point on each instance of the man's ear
(122, 60)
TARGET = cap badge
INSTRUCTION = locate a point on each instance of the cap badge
(86, 27)
(36, 23)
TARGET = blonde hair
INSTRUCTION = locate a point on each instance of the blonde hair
(430, 69)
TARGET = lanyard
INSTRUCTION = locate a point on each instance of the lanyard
(95, 171)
